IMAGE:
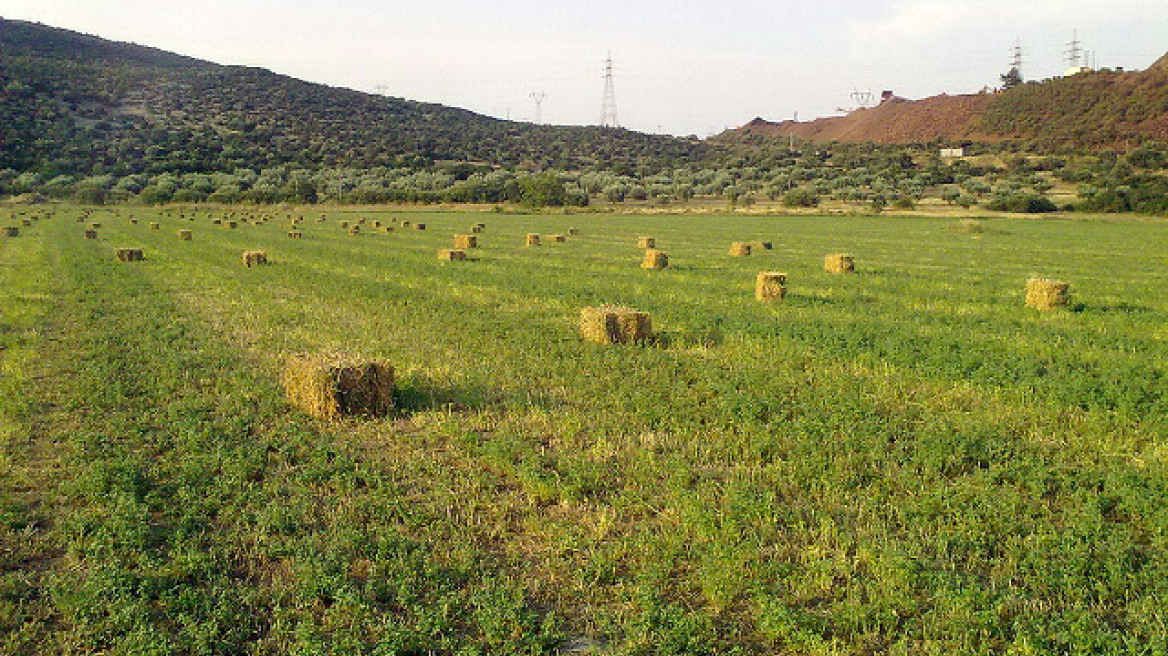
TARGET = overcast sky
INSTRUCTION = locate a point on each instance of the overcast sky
(683, 67)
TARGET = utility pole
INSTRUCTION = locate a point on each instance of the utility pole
(608, 103)
(538, 97)
(1016, 62)
(1073, 51)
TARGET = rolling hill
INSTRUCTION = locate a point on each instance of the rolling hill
(81, 105)
(1096, 110)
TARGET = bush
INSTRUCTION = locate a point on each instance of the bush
(800, 198)
(1024, 203)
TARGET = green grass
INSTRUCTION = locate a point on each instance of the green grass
(905, 460)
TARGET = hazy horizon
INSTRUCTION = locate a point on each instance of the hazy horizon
(680, 67)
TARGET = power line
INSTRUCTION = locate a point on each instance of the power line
(608, 103)
(1073, 51)
(1016, 62)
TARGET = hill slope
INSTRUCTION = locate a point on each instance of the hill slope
(79, 104)
(1104, 109)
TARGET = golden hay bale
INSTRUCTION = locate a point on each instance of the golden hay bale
(573, 231)
(133, 221)
(344, 225)
(466, 241)
(612, 324)
(405, 224)
(295, 234)
(739, 248)
(476, 229)
(1047, 294)
(839, 263)
(232, 224)
(360, 220)
(254, 258)
(532, 240)
(419, 226)
(764, 245)
(91, 234)
(377, 224)
(770, 285)
(94, 226)
(154, 225)
(655, 259)
(387, 228)
(129, 254)
(328, 386)
(452, 255)
(11, 231)
(355, 230)
(217, 221)
(646, 242)
(184, 235)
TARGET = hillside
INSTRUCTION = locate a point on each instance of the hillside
(82, 105)
(1099, 110)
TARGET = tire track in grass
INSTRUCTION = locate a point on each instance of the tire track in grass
(205, 517)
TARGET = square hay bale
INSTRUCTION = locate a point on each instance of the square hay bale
(355, 230)
(466, 241)
(452, 255)
(344, 225)
(360, 220)
(839, 263)
(216, 221)
(254, 258)
(764, 245)
(133, 221)
(740, 248)
(91, 234)
(94, 226)
(532, 240)
(573, 231)
(419, 226)
(184, 235)
(377, 224)
(154, 226)
(646, 242)
(476, 229)
(387, 228)
(405, 224)
(655, 259)
(558, 239)
(1047, 294)
(27, 223)
(233, 224)
(770, 286)
(295, 234)
(329, 386)
(611, 324)
(11, 231)
(129, 254)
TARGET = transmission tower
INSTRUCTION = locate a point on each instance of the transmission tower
(1016, 61)
(1074, 52)
(608, 104)
(538, 97)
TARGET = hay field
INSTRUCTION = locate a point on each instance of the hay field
(905, 460)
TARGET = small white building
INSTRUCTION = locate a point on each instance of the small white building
(953, 152)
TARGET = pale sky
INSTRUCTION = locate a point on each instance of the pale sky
(682, 67)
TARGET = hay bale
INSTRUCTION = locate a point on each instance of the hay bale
(466, 241)
(91, 234)
(655, 259)
(344, 225)
(184, 235)
(558, 239)
(329, 386)
(740, 248)
(27, 223)
(573, 231)
(295, 234)
(405, 224)
(94, 226)
(154, 226)
(387, 228)
(129, 254)
(452, 255)
(233, 224)
(839, 263)
(646, 242)
(419, 226)
(764, 245)
(254, 258)
(476, 229)
(216, 221)
(611, 324)
(1047, 294)
(770, 286)
(532, 239)
(355, 230)
(133, 221)
(360, 220)
(377, 224)
(11, 231)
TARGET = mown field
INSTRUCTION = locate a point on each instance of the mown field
(901, 461)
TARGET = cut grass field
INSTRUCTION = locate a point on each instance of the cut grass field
(903, 460)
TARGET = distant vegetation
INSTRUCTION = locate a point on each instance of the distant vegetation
(100, 122)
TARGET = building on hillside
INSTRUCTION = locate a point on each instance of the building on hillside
(953, 152)
(1075, 70)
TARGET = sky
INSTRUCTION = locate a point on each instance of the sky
(680, 67)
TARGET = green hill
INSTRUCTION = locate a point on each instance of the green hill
(81, 105)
